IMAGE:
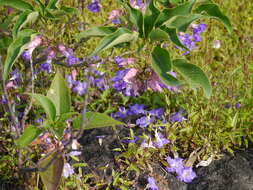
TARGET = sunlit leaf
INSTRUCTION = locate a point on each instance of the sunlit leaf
(17, 4)
(194, 76)
(99, 31)
(95, 120)
(59, 94)
(28, 136)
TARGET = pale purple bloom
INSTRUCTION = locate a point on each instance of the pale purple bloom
(227, 106)
(158, 113)
(26, 55)
(94, 6)
(144, 121)
(72, 60)
(3, 100)
(70, 81)
(152, 184)
(186, 175)
(16, 77)
(127, 141)
(38, 121)
(176, 165)
(136, 109)
(160, 140)
(237, 105)
(177, 116)
(75, 153)
(46, 67)
(67, 170)
(80, 88)
(138, 4)
(122, 113)
(100, 83)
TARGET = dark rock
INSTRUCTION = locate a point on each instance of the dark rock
(228, 173)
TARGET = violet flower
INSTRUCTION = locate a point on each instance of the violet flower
(94, 6)
(177, 116)
(144, 121)
(186, 175)
(152, 184)
(80, 88)
(67, 170)
(176, 165)
(160, 140)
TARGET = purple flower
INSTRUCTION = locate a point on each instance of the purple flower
(3, 100)
(70, 81)
(198, 28)
(46, 67)
(158, 113)
(237, 105)
(119, 75)
(94, 6)
(144, 121)
(38, 121)
(152, 184)
(116, 21)
(100, 83)
(26, 55)
(186, 175)
(176, 165)
(67, 170)
(75, 153)
(177, 116)
(72, 60)
(160, 140)
(136, 109)
(227, 106)
(122, 113)
(16, 77)
(80, 88)
(127, 141)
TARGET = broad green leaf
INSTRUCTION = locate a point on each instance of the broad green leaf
(7, 21)
(58, 129)
(99, 31)
(136, 17)
(26, 17)
(161, 64)
(214, 11)
(95, 120)
(59, 94)
(172, 32)
(52, 175)
(158, 35)
(120, 36)
(17, 4)
(47, 105)
(5, 42)
(167, 14)
(181, 23)
(150, 16)
(15, 49)
(53, 4)
(193, 75)
(29, 135)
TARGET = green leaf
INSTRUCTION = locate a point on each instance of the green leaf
(15, 49)
(17, 4)
(120, 36)
(53, 4)
(161, 64)
(24, 18)
(7, 21)
(69, 10)
(150, 16)
(29, 135)
(194, 76)
(167, 14)
(5, 42)
(158, 35)
(52, 175)
(181, 23)
(135, 17)
(47, 105)
(99, 31)
(41, 6)
(95, 120)
(59, 94)
(172, 32)
(214, 11)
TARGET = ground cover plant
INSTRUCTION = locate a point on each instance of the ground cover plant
(175, 75)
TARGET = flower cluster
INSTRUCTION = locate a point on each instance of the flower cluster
(177, 116)
(94, 6)
(185, 174)
(190, 40)
(152, 184)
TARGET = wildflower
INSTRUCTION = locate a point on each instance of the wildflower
(227, 106)
(160, 140)
(186, 175)
(130, 75)
(176, 165)
(3, 100)
(127, 141)
(144, 121)
(152, 184)
(94, 6)
(138, 4)
(38, 121)
(154, 83)
(114, 16)
(75, 153)
(46, 67)
(136, 109)
(80, 88)
(158, 113)
(177, 116)
(237, 105)
(122, 113)
(72, 60)
(67, 170)
(216, 44)
(70, 81)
